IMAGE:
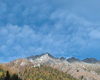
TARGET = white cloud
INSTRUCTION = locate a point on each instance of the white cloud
(95, 34)
(59, 27)
(71, 37)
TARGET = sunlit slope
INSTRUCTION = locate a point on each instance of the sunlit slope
(44, 73)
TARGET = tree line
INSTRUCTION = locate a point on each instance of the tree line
(10, 77)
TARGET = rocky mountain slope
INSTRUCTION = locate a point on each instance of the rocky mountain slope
(80, 69)
(19, 64)
(91, 60)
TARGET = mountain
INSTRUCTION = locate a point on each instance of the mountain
(18, 65)
(44, 73)
(87, 60)
(47, 55)
(62, 59)
(29, 71)
(44, 58)
(73, 59)
(91, 60)
(80, 70)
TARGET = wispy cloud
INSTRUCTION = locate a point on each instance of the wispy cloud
(63, 28)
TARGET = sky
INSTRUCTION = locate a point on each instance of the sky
(60, 27)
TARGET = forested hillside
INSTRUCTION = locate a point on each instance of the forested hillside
(44, 73)
(5, 75)
(2, 74)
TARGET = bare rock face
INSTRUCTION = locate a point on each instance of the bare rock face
(81, 70)
(91, 60)
(73, 59)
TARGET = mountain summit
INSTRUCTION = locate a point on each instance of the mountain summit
(91, 60)
(43, 58)
(73, 59)
(44, 55)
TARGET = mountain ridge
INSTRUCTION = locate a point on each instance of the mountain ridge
(71, 59)
(73, 66)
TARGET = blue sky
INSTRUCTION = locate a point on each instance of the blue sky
(61, 27)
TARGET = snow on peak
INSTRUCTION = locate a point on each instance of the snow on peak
(22, 63)
(44, 57)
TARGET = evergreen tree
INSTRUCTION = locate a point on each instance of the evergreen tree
(7, 76)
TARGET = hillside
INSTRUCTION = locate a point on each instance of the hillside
(35, 73)
(18, 65)
(5, 75)
(2, 74)
(44, 73)
(5, 68)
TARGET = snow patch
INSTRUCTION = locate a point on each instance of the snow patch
(44, 57)
(36, 65)
(31, 60)
(22, 63)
